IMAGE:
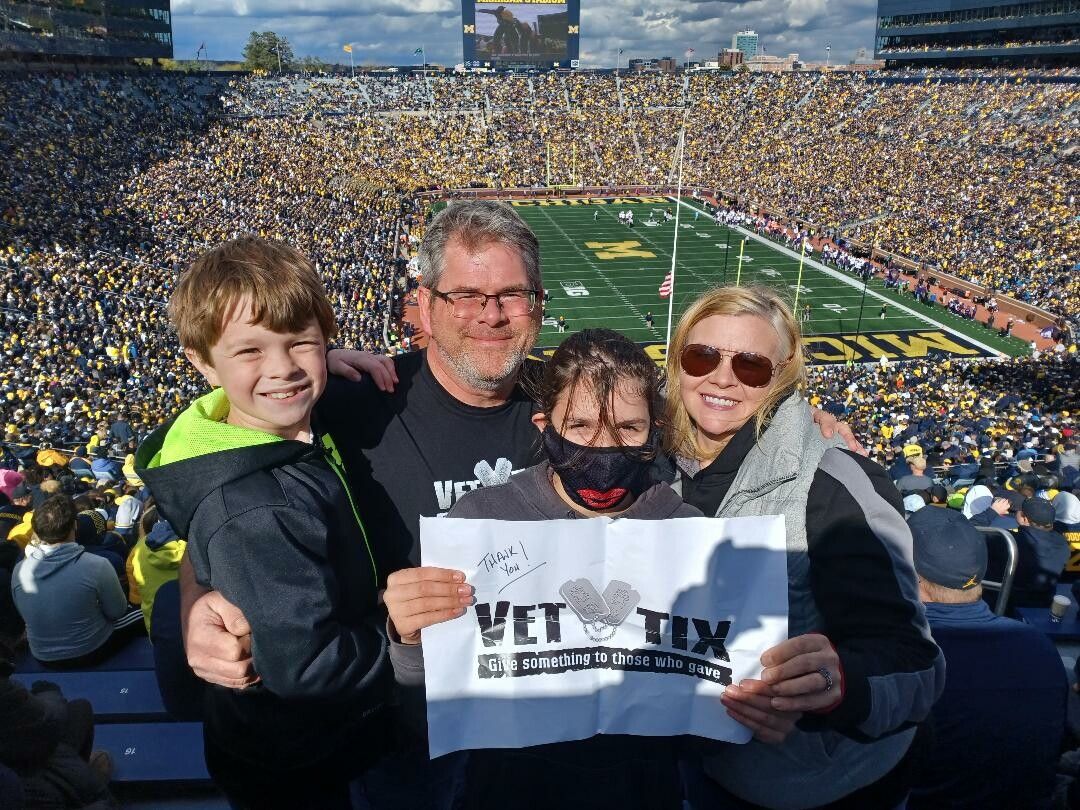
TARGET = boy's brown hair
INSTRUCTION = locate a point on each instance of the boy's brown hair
(284, 290)
(54, 520)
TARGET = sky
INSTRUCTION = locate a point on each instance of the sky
(388, 31)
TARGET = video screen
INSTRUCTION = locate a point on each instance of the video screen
(521, 32)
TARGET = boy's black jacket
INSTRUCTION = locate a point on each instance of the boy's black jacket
(269, 525)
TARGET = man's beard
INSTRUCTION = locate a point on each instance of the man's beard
(469, 374)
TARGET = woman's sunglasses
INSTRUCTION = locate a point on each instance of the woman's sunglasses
(754, 370)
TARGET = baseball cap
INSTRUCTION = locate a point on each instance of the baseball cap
(1038, 510)
(913, 502)
(948, 550)
(939, 493)
(912, 450)
(21, 491)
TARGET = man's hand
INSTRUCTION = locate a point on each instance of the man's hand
(1001, 506)
(830, 426)
(750, 703)
(217, 637)
(796, 670)
(353, 365)
(420, 597)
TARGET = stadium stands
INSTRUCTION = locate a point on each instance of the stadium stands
(114, 182)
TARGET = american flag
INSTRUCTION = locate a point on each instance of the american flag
(689, 52)
(666, 285)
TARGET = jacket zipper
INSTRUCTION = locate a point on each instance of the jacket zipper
(333, 458)
(743, 493)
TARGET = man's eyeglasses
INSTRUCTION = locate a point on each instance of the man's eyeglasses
(755, 370)
(470, 304)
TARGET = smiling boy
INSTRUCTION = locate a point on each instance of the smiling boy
(246, 477)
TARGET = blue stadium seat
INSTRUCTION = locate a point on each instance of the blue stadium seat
(136, 655)
(115, 696)
(154, 752)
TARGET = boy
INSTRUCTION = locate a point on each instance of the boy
(244, 475)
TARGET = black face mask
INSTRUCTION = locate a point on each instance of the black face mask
(599, 477)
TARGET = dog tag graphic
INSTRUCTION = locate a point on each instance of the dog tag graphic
(620, 599)
(583, 597)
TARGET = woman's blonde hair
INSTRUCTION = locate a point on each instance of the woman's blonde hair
(763, 302)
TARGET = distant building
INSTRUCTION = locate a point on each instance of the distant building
(913, 33)
(773, 64)
(747, 42)
(99, 31)
(667, 64)
(731, 57)
(641, 65)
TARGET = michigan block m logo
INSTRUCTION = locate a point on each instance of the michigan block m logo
(620, 250)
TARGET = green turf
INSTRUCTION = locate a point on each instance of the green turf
(622, 289)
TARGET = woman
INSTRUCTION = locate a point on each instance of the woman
(598, 409)
(859, 662)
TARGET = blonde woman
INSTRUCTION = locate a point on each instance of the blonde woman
(859, 665)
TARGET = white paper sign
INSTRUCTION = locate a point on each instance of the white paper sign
(600, 626)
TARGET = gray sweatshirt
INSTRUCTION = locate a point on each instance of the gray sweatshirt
(529, 495)
(68, 598)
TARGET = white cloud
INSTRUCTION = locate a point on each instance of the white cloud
(388, 31)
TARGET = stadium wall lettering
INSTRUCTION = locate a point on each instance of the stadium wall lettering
(593, 201)
(911, 344)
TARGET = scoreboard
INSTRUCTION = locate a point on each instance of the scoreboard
(522, 34)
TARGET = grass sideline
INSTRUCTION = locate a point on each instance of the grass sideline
(600, 272)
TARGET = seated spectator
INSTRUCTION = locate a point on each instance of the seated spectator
(917, 480)
(47, 743)
(12, 514)
(1067, 516)
(78, 463)
(105, 470)
(939, 496)
(1042, 554)
(155, 560)
(1000, 724)
(49, 456)
(74, 607)
(9, 479)
(128, 508)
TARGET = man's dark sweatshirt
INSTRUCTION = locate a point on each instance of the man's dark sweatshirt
(270, 525)
(625, 770)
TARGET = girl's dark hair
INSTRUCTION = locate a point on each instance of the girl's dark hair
(603, 360)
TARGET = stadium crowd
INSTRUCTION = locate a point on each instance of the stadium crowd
(976, 178)
(133, 176)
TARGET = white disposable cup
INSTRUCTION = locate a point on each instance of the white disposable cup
(1059, 607)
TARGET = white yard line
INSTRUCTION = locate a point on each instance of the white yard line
(588, 260)
(852, 283)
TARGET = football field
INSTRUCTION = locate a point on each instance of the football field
(599, 272)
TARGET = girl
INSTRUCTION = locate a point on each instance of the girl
(598, 428)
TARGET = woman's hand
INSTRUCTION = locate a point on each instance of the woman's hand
(830, 425)
(420, 597)
(750, 703)
(804, 673)
(352, 365)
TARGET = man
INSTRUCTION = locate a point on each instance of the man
(917, 480)
(1042, 554)
(999, 725)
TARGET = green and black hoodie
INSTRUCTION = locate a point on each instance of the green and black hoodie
(271, 525)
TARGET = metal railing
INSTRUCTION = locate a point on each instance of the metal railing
(1003, 588)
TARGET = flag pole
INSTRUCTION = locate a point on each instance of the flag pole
(675, 239)
(798, 282)
(352, 68)
(738, 270)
